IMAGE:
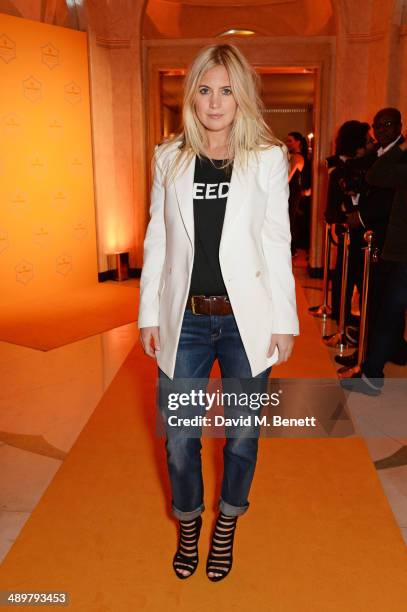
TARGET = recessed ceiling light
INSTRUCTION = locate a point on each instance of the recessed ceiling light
(239, 32)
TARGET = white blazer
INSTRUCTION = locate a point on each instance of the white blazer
(254, 256)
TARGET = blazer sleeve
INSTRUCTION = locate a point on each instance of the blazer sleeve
(154, 252)
(277, 247)
(389, 170)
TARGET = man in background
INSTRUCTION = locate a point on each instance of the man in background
(388, 172)
(373, 213)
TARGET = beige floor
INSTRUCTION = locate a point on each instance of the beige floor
(62, 387)
(383, 441)
(46, 399)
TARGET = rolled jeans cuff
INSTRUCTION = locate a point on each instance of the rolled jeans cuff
(230, 510)
(187, 516)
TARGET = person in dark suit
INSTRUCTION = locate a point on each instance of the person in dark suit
(373, 212)
(376, 202)
(388, 172)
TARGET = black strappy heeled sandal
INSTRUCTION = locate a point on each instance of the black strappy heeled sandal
(220, 556)
(186, 557)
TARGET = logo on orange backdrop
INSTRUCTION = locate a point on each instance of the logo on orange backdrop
(55, 124)
(60, 199)
(41, 235)
(19, 201)
(4, 243)
(77, 165)
(72, 92)
(56, 128)
(64, 264)
(7, 48)
(80, 230)
(24, 272)
(32, 89)
(37, 161)
(50, 55)
(38, 166)
(12, 124)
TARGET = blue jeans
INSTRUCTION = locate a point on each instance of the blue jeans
(203, 339)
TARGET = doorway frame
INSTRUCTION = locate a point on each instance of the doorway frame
(316, 53)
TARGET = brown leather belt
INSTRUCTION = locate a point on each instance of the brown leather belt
(209, 305)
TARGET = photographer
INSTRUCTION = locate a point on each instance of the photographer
(373, 213)
(389, 171)
(345, 183)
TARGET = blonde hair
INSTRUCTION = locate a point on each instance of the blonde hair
(249, 130)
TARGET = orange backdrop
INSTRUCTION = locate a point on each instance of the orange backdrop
(47, 214)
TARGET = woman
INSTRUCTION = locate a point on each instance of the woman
(298, 150)
(217, 280)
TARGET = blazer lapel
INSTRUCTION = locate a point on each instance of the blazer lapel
(184, 184)
(236, 197)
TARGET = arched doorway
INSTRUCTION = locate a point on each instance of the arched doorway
(166, 55)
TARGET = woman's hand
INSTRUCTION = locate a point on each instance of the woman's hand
(150, 340)
(284, 343)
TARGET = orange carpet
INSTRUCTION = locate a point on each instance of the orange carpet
(60, 320)
(309, 358)
(319, 535)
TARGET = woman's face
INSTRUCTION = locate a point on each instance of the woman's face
(362, 151)
(293, 145)
(215, 104)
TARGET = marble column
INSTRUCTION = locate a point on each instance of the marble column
(118, 126)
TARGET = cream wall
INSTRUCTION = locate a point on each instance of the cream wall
(371, 53)
(282, 122)
(118, 127)
(47, 214)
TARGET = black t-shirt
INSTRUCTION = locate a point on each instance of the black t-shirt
(211, 188)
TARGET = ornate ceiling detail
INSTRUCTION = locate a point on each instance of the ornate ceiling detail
(365, 37)
(223, 3)
(113, 43)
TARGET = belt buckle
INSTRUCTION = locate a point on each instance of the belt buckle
(197, 314)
